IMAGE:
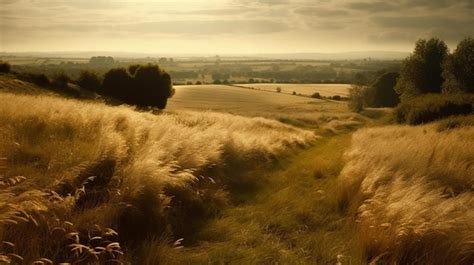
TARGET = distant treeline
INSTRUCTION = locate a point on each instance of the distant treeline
(226, 72)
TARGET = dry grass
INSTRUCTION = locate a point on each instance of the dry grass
(413, 191)
(298, 111)
(325, 90)
(102, 167)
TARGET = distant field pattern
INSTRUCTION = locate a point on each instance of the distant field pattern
(325, 90)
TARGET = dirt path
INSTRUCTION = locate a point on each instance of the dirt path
(293, 219)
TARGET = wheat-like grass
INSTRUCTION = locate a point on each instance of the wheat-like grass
(414, 188)
(92, 163)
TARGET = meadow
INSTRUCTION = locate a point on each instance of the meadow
(76, 166)
(411, 191)
(325, 90)
(294, 110)
(228, 175)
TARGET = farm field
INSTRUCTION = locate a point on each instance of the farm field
(291, 109)
(325, 90)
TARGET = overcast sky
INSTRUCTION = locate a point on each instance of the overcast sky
(230, 26)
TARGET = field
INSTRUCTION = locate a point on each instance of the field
(291, 109)
(228, 175)
(325, 90)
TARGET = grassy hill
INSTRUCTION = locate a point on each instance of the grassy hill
(228, 175)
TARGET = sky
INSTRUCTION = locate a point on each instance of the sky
(230, 26)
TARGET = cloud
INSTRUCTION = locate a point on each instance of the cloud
(293, 24)
(321, 12)
(374, 6)
(426, 22)
(211, 27)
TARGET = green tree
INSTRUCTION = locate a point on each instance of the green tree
(421, 72)
(458, 70)
(357, 92)
(118, 83)
(382, 92)
(4, 67)
(89, 80)
(152, 86)
(61, 80)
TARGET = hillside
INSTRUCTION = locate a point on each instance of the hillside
(228, 175)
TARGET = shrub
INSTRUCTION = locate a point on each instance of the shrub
(90, 81)
(278, 89)
(316, 95)
(432, 107)
(456, 122)
(382, 93)
(60, 81)
(336, 97)
(4, 67)
(198, 83)
(38, 79)
(357, 98)
(294, 93)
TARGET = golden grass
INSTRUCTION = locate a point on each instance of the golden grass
(413, 192)
(138, 173)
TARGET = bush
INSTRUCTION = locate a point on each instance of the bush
(60, 81)
(5, 67)
(456, 122)
(382, 93)
(278, 89)
(316, 95)
(90, 81)
(357, 98)
(37, 79)
(432, 107)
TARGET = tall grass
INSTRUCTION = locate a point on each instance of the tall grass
(412, 189)
(78, 167)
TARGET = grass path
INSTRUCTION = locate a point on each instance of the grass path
(293, 219)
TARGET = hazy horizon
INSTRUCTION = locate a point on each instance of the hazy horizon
(230, 26)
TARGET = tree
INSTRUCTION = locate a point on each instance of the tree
(357, 92)
(278, 89)
(60, 81)
(421, 72)
(118, 83)
(153, 86)
(357, 98)
(458, 69)
(4, 67)
(382, 92)
(316, 95)
(132, 69)
(89, 80)
(101, 60)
